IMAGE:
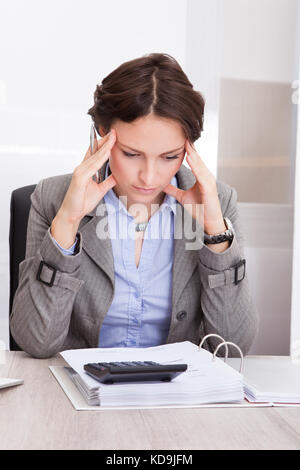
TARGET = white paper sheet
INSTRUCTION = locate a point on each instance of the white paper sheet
(270, 378)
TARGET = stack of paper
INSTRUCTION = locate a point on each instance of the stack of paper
(270, 379)
(204, 381)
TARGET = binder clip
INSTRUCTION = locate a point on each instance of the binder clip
(234, 345)
(224, 343)
(216, 336)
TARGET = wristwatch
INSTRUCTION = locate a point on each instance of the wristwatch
(221, 237)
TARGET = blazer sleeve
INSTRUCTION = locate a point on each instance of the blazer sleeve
(41, 312)
(66, 251)
(227, 307)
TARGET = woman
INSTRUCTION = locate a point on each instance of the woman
(93, 275)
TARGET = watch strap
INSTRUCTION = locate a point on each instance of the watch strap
(221, 237)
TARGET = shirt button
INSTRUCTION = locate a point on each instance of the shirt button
(181, 315)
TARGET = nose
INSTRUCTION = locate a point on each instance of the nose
(147, 175)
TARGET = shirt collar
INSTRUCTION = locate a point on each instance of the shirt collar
(113, 200)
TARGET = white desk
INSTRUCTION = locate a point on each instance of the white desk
(38, 415)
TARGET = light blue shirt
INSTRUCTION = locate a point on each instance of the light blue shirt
(140, 313)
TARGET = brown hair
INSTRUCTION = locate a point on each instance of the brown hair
(154, 83)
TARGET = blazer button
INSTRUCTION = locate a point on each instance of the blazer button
(181, 315)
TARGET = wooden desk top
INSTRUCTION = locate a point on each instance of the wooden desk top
(38, 415)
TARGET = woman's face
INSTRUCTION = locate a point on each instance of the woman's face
(147, 154)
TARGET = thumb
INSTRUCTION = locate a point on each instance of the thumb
(175, 192)
(107, 184)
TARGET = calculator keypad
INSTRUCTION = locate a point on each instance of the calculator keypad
(128, 364)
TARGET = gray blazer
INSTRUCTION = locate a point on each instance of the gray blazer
(68, 315)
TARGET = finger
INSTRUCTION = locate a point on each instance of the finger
(100, 157)
(87, 169)
(175, 192)
(91, 165)
(99, 143)
(204, 177)
(107, 184)
(193, 155)
(196, 163)
(94, 164)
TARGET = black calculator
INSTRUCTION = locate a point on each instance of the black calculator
(133, 371)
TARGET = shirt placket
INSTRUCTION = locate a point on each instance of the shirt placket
(135, 287)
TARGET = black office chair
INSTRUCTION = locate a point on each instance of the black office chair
(19, 211)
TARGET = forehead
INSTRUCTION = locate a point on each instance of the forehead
(150, 134)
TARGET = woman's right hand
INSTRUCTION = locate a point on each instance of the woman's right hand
(83, 193)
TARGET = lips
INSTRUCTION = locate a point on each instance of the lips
(144, 190)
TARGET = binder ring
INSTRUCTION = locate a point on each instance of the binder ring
(237, 347)
(217, 336)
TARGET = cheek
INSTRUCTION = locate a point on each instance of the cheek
(119, 167)
(115, 162)
(175, 167)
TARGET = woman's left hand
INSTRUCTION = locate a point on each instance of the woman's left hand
(203, 193)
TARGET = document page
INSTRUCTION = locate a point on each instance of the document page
(273, 379)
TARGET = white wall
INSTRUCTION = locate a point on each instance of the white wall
(52, 55)
(251, 41)
(203, 63)
(258, 39)
(237, 39)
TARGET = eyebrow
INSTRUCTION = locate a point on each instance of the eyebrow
(139, 151)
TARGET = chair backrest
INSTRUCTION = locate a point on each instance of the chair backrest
(19, 211)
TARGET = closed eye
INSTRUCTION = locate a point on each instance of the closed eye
(136, 155)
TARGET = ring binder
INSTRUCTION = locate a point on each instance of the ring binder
(231, 344)
(203, 382)
(217, 336)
